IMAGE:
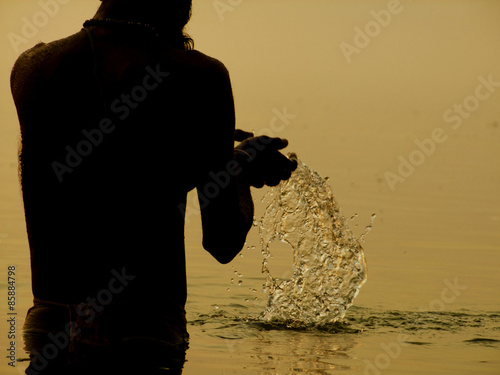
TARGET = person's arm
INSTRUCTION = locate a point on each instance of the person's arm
(226, 220)
(225, 200)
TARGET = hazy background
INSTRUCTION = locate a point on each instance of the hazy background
(353, 120)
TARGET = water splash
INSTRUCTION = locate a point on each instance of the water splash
(368, 228)
(328, 261)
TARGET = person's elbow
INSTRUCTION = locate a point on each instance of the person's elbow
(224, 249)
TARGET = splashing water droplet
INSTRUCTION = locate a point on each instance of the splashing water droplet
(329, 265)
(368, 228)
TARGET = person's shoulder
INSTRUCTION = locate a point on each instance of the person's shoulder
(38, 61)
(206, 64)
(26, 66)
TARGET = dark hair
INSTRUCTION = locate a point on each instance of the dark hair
(170, 18)
(181, 14)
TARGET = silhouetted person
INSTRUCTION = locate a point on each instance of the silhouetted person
(119, 122)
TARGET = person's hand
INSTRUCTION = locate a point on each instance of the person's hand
(260, 159)
(241, 135)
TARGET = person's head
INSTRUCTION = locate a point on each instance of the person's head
(170, 16)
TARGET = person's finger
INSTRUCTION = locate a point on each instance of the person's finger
(293, 156)
(273, 181)
(282, 162)
(278, 143)
(286, 174)
(241, 135)
(258, 184)
(269, 143)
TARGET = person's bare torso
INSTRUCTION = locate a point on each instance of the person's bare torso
(112, 138)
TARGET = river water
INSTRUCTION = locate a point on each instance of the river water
(407, 128)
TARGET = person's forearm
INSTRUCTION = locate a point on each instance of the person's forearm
(245, 203)
(227, 218)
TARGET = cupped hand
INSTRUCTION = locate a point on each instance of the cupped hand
(261, 161)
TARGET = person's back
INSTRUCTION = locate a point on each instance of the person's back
(118, 124)
(110, 147)
(109, 156)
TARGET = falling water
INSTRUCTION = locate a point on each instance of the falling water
(328, 261)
